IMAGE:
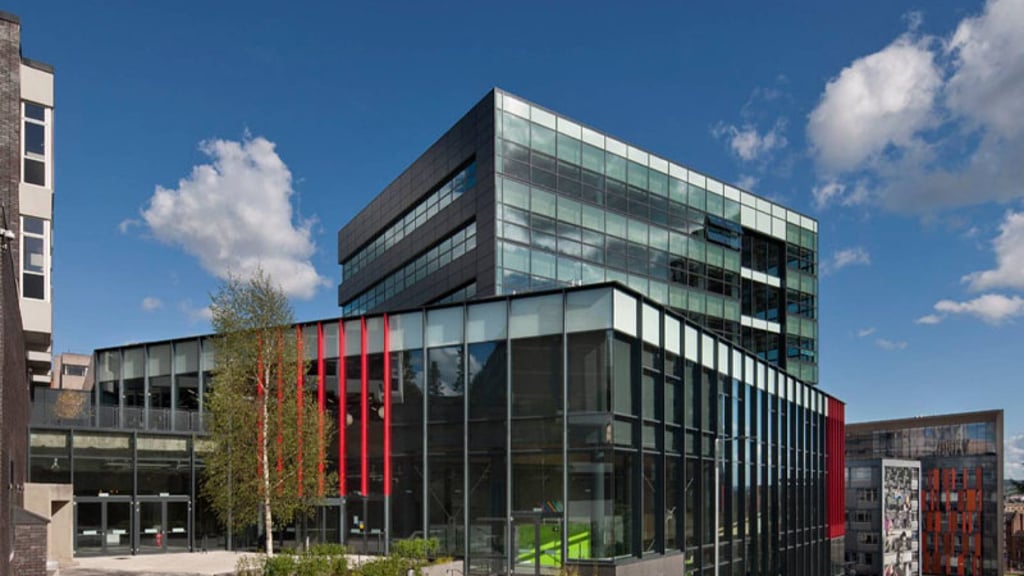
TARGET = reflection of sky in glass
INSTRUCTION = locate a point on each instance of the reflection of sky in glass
(976, 438)
(444, 366)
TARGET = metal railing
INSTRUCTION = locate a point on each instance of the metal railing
(77, 409)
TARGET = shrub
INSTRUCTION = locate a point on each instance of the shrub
(327, 550)
(281, 565)
(388, 566)
(250, 566)
(416, 548)
(319, 563)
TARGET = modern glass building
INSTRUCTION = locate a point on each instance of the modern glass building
(961, 459)
(515, 197)
(584, 427)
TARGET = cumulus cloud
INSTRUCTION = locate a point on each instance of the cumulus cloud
(929, 123)
(891, 345)
(865, 332)
(881, 100)
(150, 303)
(1009, 249)
(195, 314)
(856, 256)
(235, 215)
(989, 68)
(991, 308)
(748, 143)
(929, 319)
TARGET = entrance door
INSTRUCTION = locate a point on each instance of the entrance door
(364, 525)
(537, 545)
(325, 526)
(163, 524)
(103, 525)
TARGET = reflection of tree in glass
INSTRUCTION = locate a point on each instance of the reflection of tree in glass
(70, 404)
(434, 379)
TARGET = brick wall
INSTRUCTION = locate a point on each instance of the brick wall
(30, 550)
(13, 378)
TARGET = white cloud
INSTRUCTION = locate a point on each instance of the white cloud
(929, 319)
(1014, 459)
(992, 308)
(235, 215)
(835, 192)
(988, 84)
(195, 314)
(892, 345)
(748, 143)
(826, 192)
(856, 256)
(878, 101)
(150, 303)
(864, 332)
(930, 123)
(747, 182)
(127, 224)
(1009, 248)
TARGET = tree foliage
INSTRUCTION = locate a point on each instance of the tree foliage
(263, 461)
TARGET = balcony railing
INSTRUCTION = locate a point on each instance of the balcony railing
(77, 409)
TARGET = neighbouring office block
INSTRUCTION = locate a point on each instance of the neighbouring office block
(961, 459)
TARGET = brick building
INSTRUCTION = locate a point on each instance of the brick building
(26, 213)
(1014, 522)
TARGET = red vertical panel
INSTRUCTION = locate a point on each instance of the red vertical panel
(320, 408)
(342, 407)
(835, 442)
(299, 377)
(387, 408)
(365, 409)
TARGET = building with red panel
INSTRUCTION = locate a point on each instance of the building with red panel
(587, 428)
(1014, 535)
(961, 459)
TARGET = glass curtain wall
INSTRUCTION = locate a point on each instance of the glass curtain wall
(572, 427)
(579, 206)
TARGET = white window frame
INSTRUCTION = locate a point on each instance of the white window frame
(45, 237)
(47, 155)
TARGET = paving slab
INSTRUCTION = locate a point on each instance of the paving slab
(215, 563)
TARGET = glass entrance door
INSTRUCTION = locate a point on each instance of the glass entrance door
(103, 525)
(88, 528)
(537, 545)
(176, 524)
(364, 525)
(325, 526)
(163, 524)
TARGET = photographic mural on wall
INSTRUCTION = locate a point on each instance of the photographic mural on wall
(901, 489)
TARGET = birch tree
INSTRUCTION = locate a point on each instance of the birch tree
(264, 426)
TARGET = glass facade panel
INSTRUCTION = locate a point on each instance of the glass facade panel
(598, 440)
(647, 230)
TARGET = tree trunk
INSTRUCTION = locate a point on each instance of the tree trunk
(268, 518)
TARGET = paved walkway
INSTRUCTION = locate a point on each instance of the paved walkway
(215, 563)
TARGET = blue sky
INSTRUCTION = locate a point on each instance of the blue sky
(898, 125)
